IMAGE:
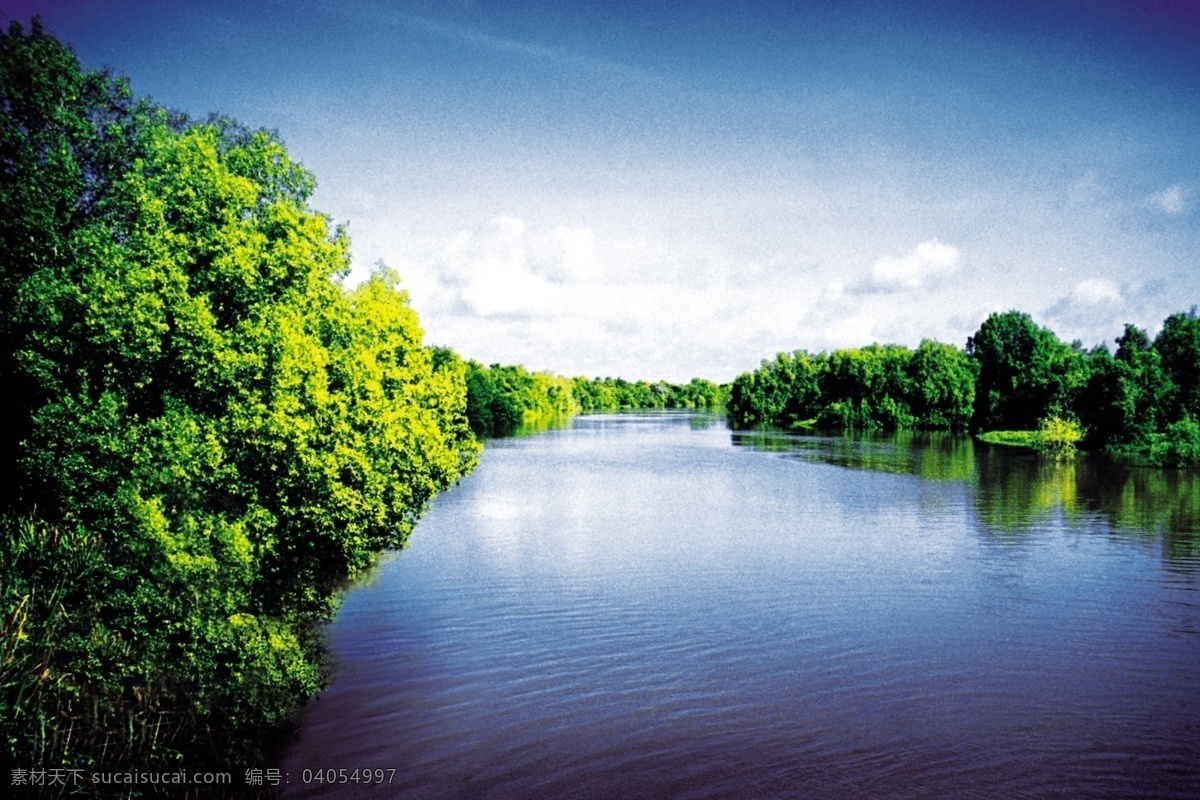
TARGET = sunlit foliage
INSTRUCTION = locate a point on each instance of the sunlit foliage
(211, 431)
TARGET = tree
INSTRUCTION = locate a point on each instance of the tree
(1025, 373)
(222, 430)
(942, 386)
(1178, 345)
(867, 388)
(66, 136)
(785, 392)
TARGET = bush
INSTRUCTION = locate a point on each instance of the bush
(1057, 437)
(1178, 446)
(214, 431)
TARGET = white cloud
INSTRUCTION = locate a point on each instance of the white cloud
(834, 290)
(929, 262)
(1089, 313)
(513, 293)
(566, 254)
(1094, 292)
(504, 269)
(1169, 201)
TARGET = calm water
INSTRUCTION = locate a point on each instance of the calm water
(653, 606)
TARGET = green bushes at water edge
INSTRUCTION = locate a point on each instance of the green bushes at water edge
(1055, 438)
(879, 386)
(1139, 403)
(210, 431)
(501, 399)
(1177, 446)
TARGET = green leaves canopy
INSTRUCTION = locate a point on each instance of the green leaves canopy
(201, 400)
(879, 386)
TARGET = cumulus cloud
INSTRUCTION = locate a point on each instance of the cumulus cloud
(566, 254)
(547, 298)
(504, 269)
(1169, 201)
(1095, 292)
(929, 262)
(1089, 312)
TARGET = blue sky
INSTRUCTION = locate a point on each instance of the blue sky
(670, 190)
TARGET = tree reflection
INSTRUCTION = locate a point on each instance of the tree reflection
(1015, 490)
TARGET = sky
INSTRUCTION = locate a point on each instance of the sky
(671, 190)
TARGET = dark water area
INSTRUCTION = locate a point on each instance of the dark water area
(654, 606)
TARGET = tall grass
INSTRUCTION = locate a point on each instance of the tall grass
(54, 712)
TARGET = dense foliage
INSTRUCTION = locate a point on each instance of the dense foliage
(500, 399)
(615, 394)
(880, 386)
(1014, 377)
(209, 431)
(1025, 373)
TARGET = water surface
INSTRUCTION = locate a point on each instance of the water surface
(653, 606)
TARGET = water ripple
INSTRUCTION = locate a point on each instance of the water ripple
(633, 608)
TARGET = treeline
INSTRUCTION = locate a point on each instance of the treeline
(208, 431)
(1140, 402)
(880, 386)
(500, 399)
(614, 394)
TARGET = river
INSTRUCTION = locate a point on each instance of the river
(654, 606)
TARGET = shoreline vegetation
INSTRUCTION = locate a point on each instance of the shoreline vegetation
(212, 432)
(1015, 384)
(1055, 438)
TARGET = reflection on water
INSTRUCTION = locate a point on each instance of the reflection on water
(1015, 489)
(631, 607)
(697, 421)
(538, 424)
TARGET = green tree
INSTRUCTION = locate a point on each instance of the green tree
(1126, 397)
(786, 391)
(1178, 345)
(867, 388)
(1025, 373)
(942, 386)
(209, 420)
(502, 398)
(66, 136)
